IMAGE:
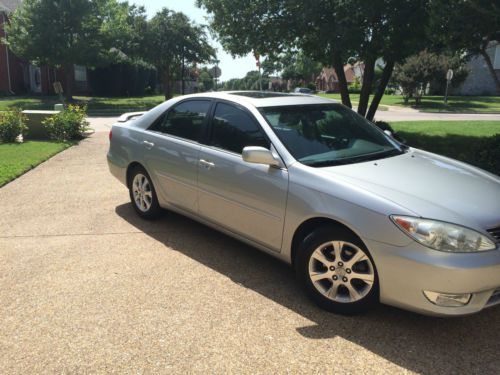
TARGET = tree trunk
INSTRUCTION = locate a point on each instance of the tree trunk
(167, 87)
(68, 82)
(386, 75)
(344, 90)
(366, 88)
(490, 68)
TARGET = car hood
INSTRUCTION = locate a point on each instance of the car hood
(429, 185)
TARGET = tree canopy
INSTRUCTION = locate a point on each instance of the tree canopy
(331, 32)
(64, 33)
(468, 26)
(172, 41)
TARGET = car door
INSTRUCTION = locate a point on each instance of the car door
(171, 152)
(248, 199)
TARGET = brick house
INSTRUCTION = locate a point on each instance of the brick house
(18, 76)
(328, 80)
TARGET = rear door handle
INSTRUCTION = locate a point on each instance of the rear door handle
(206, 164)
(148, 145)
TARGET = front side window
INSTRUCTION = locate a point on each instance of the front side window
(328, 134)
(234, 129)
(184, 120)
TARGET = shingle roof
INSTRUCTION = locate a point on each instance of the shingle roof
(9, 6)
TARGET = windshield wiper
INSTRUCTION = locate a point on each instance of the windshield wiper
(326, 163)
(354, 159)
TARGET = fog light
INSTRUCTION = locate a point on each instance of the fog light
(448, 299)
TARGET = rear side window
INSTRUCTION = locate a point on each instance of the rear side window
(184, 120)
(234, 129)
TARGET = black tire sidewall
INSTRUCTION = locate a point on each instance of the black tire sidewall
(306, 249)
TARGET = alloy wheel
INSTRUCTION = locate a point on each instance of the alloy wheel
(341, 271)
(142, 193)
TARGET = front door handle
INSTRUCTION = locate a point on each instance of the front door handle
(148, 145)
(206, 164)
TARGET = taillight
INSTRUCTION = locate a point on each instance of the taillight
(110, 135)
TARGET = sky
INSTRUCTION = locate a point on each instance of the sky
(230, 68)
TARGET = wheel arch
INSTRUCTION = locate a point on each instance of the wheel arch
(308, 226)
(130, 167)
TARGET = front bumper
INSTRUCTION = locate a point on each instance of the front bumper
(406, 272)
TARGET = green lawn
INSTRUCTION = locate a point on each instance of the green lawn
(94, 104)
(16, 159)
(474, 142)
(458, 104)
(103, 105)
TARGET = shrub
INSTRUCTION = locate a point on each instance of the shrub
(486, 154)
(68, 124)
(12, 124)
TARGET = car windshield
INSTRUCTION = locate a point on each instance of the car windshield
(328, 134)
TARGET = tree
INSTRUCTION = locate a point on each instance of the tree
(329, 32)
(172, 42)
(206, 80)
(468, 26)
(295, 66)
(419, 71)
(64, 33)
(251, 81)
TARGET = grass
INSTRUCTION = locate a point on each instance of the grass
(456, 104)
(95, 105)
(473, 142)
(472, 129)
(103, 105)
(16, 159)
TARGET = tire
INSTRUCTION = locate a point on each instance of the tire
(337, 271)
(143, 194)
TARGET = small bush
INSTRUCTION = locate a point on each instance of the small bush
(12, 124)
(68, 124)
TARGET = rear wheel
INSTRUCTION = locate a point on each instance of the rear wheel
(143, 194)
(337, 271)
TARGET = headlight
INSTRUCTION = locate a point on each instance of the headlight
(443, 236)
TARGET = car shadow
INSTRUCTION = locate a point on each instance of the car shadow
(418, 343)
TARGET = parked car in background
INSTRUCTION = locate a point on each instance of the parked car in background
(303, 90)
(361, 217)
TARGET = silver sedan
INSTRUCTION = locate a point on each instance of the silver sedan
(361, 217)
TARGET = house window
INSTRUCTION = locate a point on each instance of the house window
(80, 73)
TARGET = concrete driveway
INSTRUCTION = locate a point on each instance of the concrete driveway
(88, 287)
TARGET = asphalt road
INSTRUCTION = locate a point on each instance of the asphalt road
(88, 287)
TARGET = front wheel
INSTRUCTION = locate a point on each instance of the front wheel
(337, 271)
(143, 194)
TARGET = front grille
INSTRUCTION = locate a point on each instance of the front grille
(495, 232)
(494, 299)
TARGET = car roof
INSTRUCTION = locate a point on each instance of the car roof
(264, 98)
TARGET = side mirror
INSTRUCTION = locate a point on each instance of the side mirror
(259, 155)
